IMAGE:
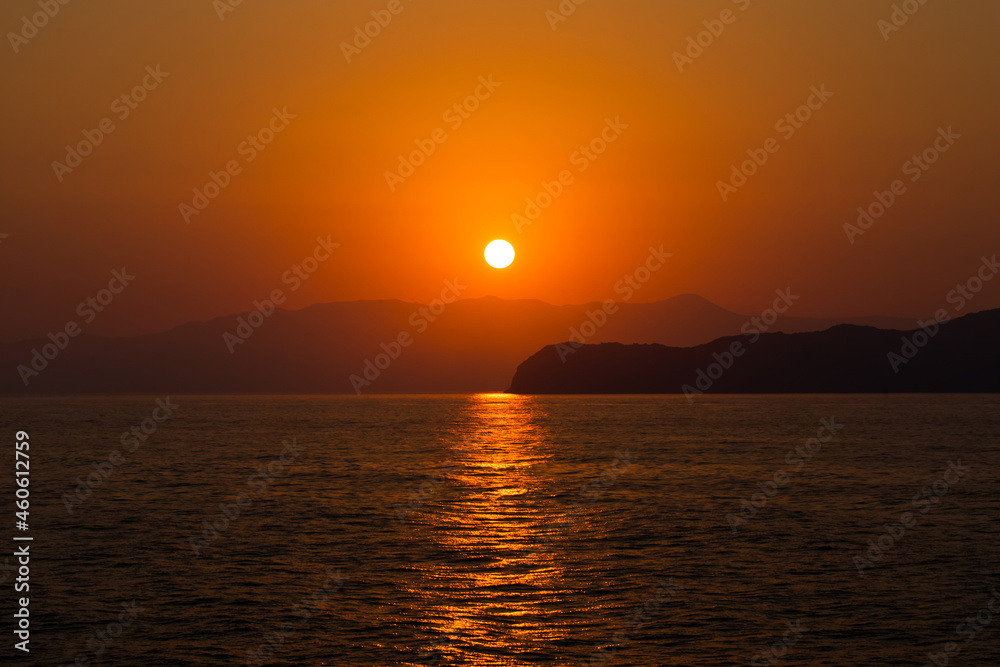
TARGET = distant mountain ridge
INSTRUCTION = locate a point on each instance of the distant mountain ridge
(959, 355)
(472, 345)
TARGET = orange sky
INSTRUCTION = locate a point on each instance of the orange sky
(657, 183)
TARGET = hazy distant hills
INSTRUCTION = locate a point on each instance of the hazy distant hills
(961, 356)
(474, 345)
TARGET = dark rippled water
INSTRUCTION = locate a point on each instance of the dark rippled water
(506, 530)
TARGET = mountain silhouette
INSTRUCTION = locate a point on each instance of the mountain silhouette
(473, 345)
(959, 355)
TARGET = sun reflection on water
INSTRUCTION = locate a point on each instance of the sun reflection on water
(491, 596)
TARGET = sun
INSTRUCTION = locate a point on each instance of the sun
(499, 254)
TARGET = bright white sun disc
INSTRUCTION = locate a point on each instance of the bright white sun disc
(499, 254)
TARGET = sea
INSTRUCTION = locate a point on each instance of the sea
(497, 529)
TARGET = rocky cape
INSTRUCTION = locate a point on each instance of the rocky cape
(957, 355)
